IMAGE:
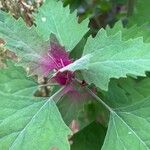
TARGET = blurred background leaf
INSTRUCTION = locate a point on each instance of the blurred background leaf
(90, 138)
(100, 12)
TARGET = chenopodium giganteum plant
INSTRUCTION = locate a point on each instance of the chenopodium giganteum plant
(108, 114)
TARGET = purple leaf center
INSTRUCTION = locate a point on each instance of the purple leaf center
(55, 59)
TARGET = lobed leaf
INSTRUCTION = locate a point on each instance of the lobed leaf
(108, 56)
(22, 40)
(133, 32)
(54, 18)
(28, 122)
(128, 102)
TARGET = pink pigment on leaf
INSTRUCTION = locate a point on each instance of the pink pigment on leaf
(55, 59)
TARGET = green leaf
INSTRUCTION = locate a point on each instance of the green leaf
(140, 13)
(90, 138)
(128, 102)
(130, 33)
(106, 57)
(28, 122)
(13, 80)
(22, 40)
(54, 18)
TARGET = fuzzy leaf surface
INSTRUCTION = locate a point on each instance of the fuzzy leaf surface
(54, 18)
(106, 57)
(129, 124)
(132, 32)
(28, 122)
(22, 40)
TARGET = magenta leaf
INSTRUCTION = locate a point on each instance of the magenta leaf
(63, 78)
(53, 60)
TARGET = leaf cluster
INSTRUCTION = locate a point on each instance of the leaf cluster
(105, 105)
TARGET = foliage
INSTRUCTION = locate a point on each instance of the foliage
(140, 13)
(24, 116)
(97, 87)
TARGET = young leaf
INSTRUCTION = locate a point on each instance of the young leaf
(128, 102)
(106, 57)
(27, 122)
(22, 40)
(40, 57)
(54, 18)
